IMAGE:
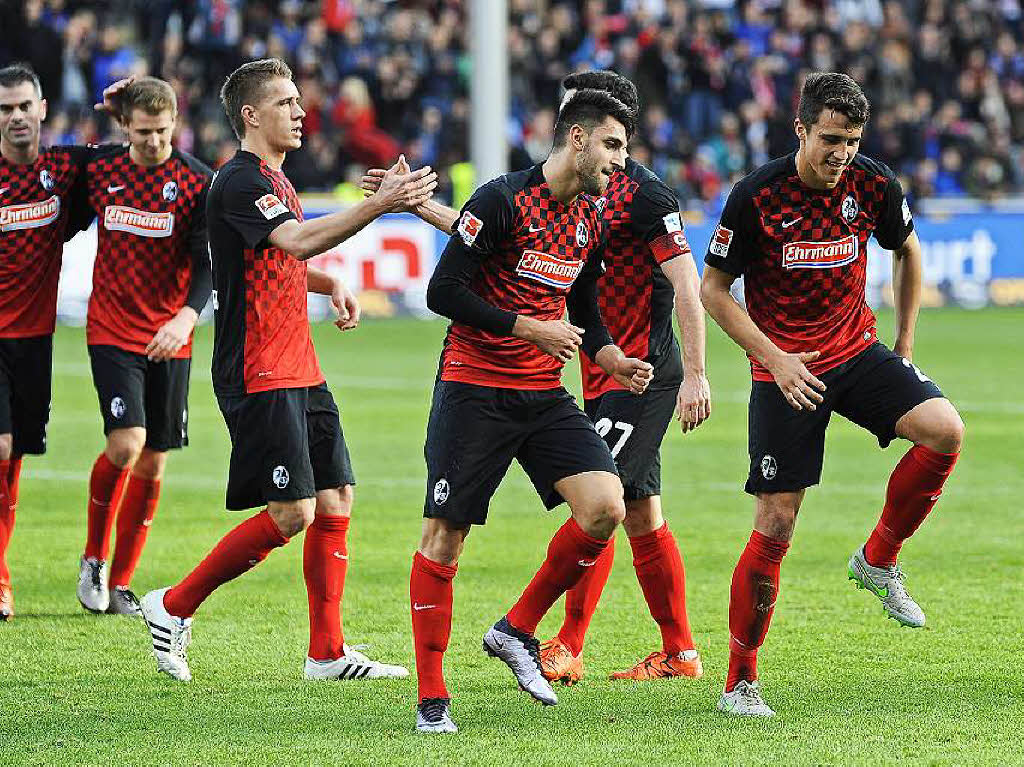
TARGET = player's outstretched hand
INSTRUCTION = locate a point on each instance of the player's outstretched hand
(111, 103)
(556, 338)
(172, 336)
(346, 305)
(801, 389)
(693, 402)
(402, 189)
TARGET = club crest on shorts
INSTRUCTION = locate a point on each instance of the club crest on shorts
(768, 467)
(850, 207)
(581, 234)
(280, 477)
(441, 490)
(117, 407)
(170, 191)
(46, 179)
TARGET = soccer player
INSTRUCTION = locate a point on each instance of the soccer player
(797, 231)
(151, 280)
(41, 207)
(527, 246)
(649, 267)
(288, 452)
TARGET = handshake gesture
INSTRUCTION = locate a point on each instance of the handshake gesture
(399, 188)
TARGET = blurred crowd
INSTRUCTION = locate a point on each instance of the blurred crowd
(718, 78)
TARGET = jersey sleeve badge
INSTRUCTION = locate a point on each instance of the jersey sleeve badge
(721, 241)
(469, 228)
(270, 206)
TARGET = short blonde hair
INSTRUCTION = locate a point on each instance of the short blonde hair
(150, 94)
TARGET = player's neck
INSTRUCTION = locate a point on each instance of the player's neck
(19, 155)
(258, 146)
(807, 176)
(138, 159)
(560, 173)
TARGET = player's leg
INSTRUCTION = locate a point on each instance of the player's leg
(891, 397)
(6, 525)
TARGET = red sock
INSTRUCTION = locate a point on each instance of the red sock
(134, 517)
(659, 568)
(6, 520)
(581, 600)
(324, 564)
(237, 552)
(560, 572)
(430, 602)
(105, 484)
(755, 588)
(914, 487)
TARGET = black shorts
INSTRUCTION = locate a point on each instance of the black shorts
(874, 390)
(26, 365)
(474, 432)
(136, 392)
(633, 427)
(286, 444)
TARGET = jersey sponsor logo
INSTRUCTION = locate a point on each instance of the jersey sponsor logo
(820, 255)
(673, 223)
(906, 212)
(581, 235)
(469, 228)
(548, 269)
(46, 179)
(270, 206)
(441, 491)
(121, 218)
(850, 207)
(170, 191)
(721, 241)
(29, 215)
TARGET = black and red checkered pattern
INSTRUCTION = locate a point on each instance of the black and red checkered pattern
(636, 298)
(806, 257)
(141, 278)
(35, 201)
(512, 277)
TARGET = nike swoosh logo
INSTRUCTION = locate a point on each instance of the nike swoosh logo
(535, 229)
(339, 555)
(787, 224)
(585, 563)
(112, 189)
(4, 190)
(423, 607)
(147, 522)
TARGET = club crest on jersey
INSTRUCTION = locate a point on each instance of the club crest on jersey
(820, 255)
(270, 206)
(601, 203)
(441, 491)
(469, 228)
(769, 468)
(548, 269)
(721, 241)
(46, 179)
(170, 191)
(121, 218)
(29, 215)
(117, 407)
(279, 476)
(581, 235)
(850, 207)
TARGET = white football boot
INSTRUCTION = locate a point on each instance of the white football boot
(433, 717)
(93, 586)
(744, 700)
(171, 636)
(886, 583)
(352, 665)
(521, 653)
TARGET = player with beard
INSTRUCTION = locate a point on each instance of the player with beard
(797, 231)
(288, 452)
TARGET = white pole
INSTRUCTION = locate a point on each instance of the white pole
(489, 88)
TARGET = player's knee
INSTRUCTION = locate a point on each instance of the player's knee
(947, 434)
(6, 447)
(442, 541)
(336, 501)
(150, 465)
(602, 515)
(293, 517)
(124, 446)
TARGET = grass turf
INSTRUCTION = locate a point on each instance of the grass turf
(849, 686)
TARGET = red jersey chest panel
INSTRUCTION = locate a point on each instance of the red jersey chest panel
(279, 350)
(143, 265)
(33, 221)
(530, 272)
(805, 287)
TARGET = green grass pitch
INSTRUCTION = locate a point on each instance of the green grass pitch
(849, 686)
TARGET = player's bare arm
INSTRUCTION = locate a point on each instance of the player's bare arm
(632, 373)
(801, 389)
(173, 335)
(344, 301)
(906, 290)
(397, 192)
(437, 214)
(693, 403)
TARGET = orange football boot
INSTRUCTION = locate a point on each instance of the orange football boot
(6, 602)
(558, 664)
(660, 665)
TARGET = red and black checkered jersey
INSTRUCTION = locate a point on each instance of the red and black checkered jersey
(643, 230)
(802, 253)
(262, 339)
(531, 248)
(151, 226)
(35, 220)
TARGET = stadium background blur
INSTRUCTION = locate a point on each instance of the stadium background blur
(718, 78)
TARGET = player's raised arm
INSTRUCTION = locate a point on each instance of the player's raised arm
(437, 214)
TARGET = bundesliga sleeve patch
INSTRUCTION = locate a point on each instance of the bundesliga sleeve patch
(721, 241)
(673, 223)
(469, 228)
(906, 212)
(270, 206)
